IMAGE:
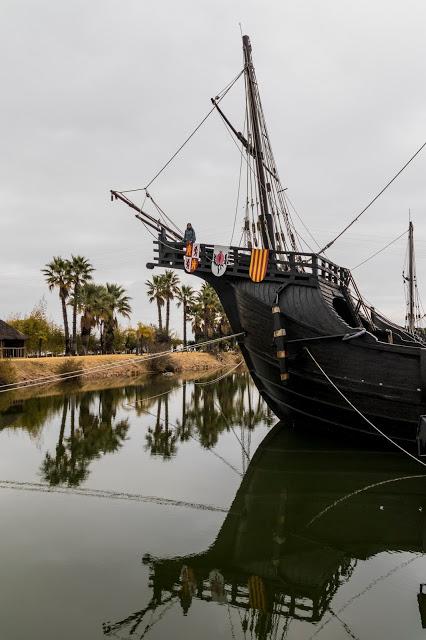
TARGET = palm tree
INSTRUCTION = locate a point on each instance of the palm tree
(91, 301)
(81, 273)
(185, 296)
(58, 274)
(170, 282)
(116, 303)
(156, 294)
(208, 300)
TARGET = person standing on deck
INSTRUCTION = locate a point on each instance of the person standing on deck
(189, 235)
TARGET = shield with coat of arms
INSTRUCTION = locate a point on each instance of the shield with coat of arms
(191, 258)
(220, 260)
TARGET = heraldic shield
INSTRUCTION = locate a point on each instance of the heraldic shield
(220, 260)
(258, 264)
(192, 257)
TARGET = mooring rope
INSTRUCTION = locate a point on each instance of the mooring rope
(395, 444)
(202, 383)
(197, 382)
(13, 386)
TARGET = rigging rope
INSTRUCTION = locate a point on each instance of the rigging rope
(238, 195)
(220, 97)
(379, 251)
(327, 246)
(372, 584)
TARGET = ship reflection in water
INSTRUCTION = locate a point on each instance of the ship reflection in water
(215, 523)
(306, 512)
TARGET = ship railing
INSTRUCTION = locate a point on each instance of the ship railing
(282, 264)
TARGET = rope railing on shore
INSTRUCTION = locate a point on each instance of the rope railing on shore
(69, 375)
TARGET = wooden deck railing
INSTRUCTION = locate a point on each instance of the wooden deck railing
(282, 265)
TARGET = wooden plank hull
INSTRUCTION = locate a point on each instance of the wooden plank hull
(384, 381)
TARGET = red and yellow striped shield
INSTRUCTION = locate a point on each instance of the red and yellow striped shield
(257, 593)
(258, 264)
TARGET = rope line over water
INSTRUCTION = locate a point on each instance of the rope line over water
(13, 386)
(197, 382)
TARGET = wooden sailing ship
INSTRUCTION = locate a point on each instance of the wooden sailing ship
(301, 520)
(298, 311)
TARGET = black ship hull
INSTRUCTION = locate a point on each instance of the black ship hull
(382, 372)
(382, 381)
(383, 378)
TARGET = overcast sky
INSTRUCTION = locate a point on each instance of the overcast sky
(97, 95)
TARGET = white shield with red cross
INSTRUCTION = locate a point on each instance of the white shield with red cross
(220, 260)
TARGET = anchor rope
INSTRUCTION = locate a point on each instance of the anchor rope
(395, 444)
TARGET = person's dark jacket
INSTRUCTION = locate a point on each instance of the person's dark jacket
(189, 235)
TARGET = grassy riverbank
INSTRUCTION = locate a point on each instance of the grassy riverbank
(112, 366)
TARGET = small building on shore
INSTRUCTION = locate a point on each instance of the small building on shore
(12, 342)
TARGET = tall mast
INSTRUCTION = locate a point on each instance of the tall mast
(411, 322)
(265, 217)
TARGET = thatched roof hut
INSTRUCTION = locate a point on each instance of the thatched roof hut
(12, 341)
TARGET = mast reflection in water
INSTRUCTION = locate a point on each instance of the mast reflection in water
(306, 512)
(209, 533)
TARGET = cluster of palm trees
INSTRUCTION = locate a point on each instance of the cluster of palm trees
(202, 308)
(98, 304)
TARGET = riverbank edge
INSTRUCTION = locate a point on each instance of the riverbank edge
(114, 366)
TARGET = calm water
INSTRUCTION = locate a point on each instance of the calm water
(128, 516)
